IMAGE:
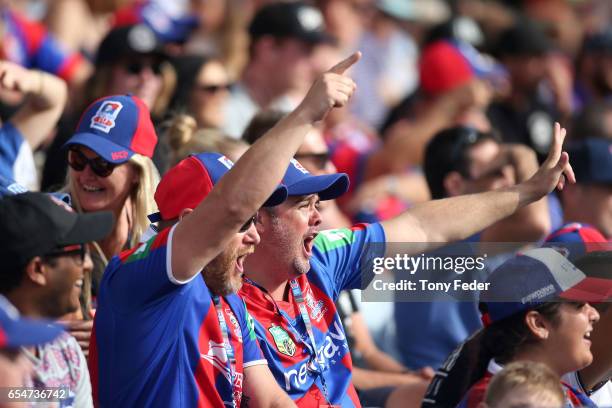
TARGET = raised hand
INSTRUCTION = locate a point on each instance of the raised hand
(556, 169)
(332, 89)
(16, 78)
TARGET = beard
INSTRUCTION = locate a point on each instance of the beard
(220, 275)
(289, 250)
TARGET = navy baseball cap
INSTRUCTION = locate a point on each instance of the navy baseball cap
(16, 331)
(191, 180)
(535, 277)
(290, 19)
(592, 160)
(115, 128)
(300, 182)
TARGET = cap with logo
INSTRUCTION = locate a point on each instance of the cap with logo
(448, 64)
(538, 276)
(300, 182)
(576, 240)
(116, 127)
(127, 41)
(191, 180)
(290, 19)
(34, 224)
(16, 331)
(592, 160)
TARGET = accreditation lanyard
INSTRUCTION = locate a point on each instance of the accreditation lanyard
(229, 350)
(312, 347)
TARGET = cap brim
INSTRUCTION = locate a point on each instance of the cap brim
(27, 332)
(278, 196)
(102, 146)
(327, 186)
(590, 289)
(317, 37)
(89, 227)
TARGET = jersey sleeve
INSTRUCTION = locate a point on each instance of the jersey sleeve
(345, 254)
(144, 274)
(11, 142)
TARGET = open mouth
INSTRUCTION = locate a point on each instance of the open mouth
(79, 283)
(308, 244)
(587, 337)
(91, 189)
(240, 263)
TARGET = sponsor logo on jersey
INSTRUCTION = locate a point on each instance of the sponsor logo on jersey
(283, 341)
(217, 356)
(317, 307)
(329, 353)
(235, 324)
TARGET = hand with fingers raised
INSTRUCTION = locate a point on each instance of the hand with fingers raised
(332, 89)
(555, 170)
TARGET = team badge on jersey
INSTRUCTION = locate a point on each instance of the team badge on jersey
(283, 341)
(105, 117)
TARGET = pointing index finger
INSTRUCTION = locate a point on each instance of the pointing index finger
(345, 64)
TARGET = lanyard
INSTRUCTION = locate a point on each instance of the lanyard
(312, 347)
(229, 350)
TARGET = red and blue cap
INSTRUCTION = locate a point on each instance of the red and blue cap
(576, 240)
(299, 181)
(17, 332)
(115, 128)
(538, 276)
(191, 180)
(448, 64)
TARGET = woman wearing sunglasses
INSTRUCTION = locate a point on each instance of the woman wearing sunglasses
(202, 90)
(111, 169)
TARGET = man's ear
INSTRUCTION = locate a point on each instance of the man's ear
(537, 324)
(36, 271)
(454, 184)
(185, 212)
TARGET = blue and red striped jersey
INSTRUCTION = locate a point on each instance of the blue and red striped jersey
(158, 342)
(284, 340)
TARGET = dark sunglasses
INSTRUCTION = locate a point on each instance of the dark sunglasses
(136, 67)
(319, 160)
(77, 250)
(78, 161)
(247, 225)
(213, 88)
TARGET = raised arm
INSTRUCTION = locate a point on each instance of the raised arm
(45, 100)
(200, 237)
(453, 219)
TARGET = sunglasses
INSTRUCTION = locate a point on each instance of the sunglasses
(76, 250)
(78, 161)
(213, 88)
(136, 67)
(247, 225)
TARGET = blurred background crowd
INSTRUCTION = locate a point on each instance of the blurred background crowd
(454, 97)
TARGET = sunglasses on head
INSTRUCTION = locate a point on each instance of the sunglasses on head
(136, 67)
(247, 225)
(78, 161)
(213, 88)
(76, 250)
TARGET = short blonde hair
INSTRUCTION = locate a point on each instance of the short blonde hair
(185, 138)
(528, 378)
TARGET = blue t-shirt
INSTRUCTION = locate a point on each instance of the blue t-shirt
(335, 265)
(158, 342)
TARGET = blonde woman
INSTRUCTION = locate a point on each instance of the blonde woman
(111, 169)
